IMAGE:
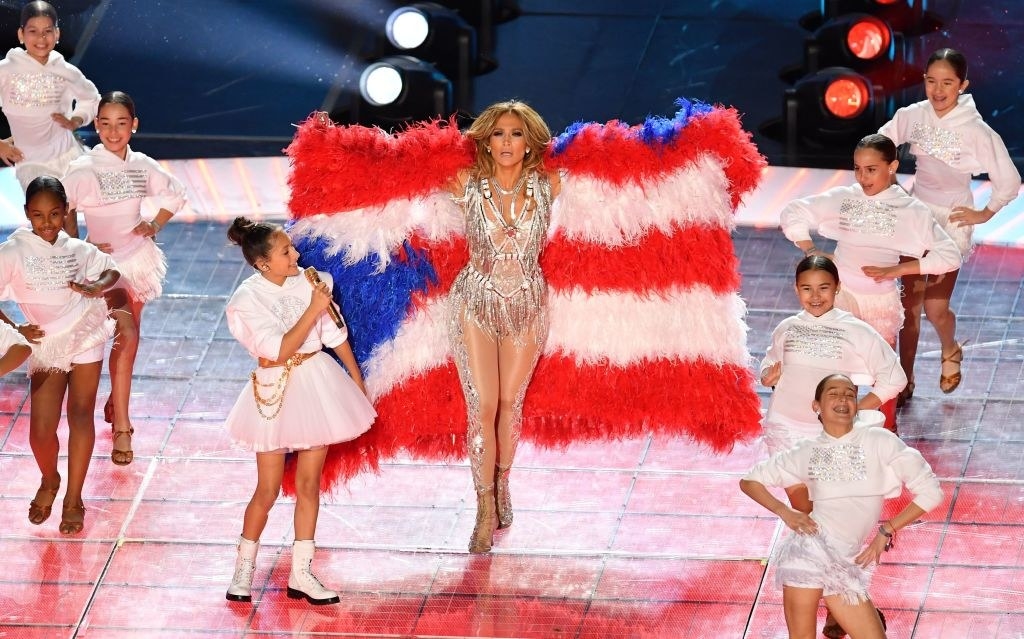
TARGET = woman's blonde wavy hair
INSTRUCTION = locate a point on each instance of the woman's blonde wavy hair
(536, 130)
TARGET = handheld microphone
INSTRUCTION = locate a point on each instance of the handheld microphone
(332, 310)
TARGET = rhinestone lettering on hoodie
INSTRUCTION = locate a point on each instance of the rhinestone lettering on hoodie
(841, 463)
(867, 217)
(123, 184)
(941, 144)
(816, 341)
(36, 90)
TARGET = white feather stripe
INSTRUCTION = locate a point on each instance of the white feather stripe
(625, 328)
(618, 329)
(600, 212)
(421, 344)
(379, 230)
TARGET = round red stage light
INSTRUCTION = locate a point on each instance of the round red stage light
(868, 38)
(846, 97)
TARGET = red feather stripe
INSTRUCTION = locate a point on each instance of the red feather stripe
(617, 155)
(668, 398)
(660, 397)
(340, 168)
(689, 257)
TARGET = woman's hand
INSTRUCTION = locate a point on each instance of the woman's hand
(882, 273)
(31, 332)
(65, 123)
(771, 375)
(798, 522)
(91, 289)
(872, 554)
(966, 216)
(10, 154)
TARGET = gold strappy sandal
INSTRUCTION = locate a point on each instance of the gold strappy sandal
(949, 383)
(72, 520)
(39, 509)
(122, 457)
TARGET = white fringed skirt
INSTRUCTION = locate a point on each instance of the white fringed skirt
(73, 340)
(884, 312)
(143, 271)
(811, 561)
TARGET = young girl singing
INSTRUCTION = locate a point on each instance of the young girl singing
(298, 400)
(58, 283)
(109, 185)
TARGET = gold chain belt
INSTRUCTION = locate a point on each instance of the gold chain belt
(276, 399)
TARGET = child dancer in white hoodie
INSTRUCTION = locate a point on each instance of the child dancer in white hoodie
(58, 283)
(109, 185)
(819, 340)
(951, 143)
(44, 98)
(874, 222)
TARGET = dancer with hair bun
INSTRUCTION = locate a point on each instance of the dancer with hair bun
(297, 401)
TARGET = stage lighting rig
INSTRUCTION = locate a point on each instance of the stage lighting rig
(909, 17)
(438, 35)
(857, 68)
(397, 90)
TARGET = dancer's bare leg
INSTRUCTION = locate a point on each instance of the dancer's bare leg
(269, 473)
(913, 305)
(860, 620)
(936, 308)
(801, 609)
(476, 357)
(128, 315)
(308, 469)
(517, 360)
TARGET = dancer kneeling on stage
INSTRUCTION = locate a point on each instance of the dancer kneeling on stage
(849, 473)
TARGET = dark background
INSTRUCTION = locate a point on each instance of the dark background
(219, 78)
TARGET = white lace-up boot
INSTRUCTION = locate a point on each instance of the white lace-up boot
(245, 565)
(302, 583)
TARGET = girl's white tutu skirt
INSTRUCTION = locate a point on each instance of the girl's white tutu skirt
(143, 271)
(322, 406)
(811, 561)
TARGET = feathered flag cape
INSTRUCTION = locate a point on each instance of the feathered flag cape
(647, 331)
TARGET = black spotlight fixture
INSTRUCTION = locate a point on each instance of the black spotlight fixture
(400, 89)
(440, 36)
(832, 107)
(859, 62)
(910, 17)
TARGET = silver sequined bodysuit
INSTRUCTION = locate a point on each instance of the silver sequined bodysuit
(502, 290)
